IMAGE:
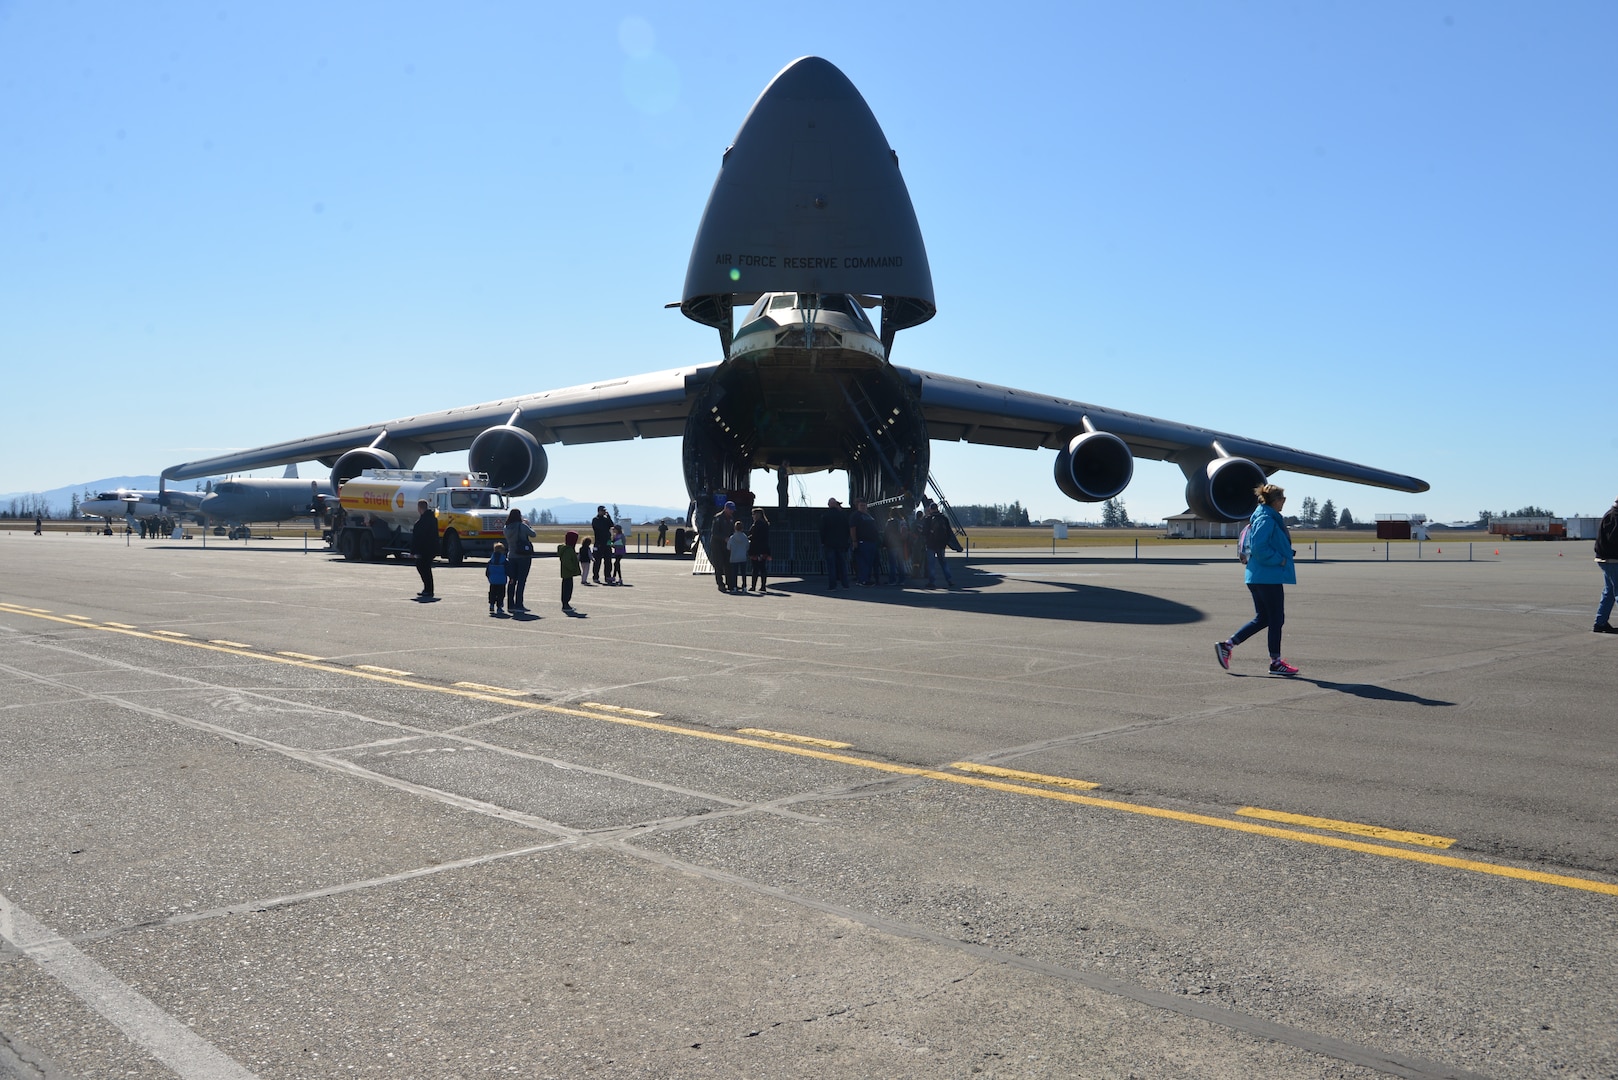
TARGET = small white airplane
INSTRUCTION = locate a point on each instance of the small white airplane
(122, 503)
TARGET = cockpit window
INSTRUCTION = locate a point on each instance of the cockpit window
(785, 300)
(842, 304)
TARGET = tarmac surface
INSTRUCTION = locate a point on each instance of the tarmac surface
(265, 814)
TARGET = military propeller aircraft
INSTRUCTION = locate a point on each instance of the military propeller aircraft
(240, 502)
(121, 503)
(808, 227)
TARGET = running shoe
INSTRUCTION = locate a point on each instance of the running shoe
(1222, 653)
(1279, 666)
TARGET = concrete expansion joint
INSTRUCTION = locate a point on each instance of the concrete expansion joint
(18, 1061)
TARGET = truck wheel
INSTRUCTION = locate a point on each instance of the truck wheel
(362, 547)
(345, 545)
(452, 548)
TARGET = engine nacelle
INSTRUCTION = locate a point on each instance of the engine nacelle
(1224, 490)
(357, 461)
(512, 458)
(1095, 467)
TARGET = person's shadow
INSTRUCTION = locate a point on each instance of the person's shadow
(1359, 690)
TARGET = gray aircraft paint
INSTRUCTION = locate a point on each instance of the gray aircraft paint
(251, 500)
(809, 198)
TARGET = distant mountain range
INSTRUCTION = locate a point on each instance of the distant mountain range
(566, 511)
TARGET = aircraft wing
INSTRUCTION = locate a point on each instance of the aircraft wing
(641, 406)
(656, 405)
(978, 412)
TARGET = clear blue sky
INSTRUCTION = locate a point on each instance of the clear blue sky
(1385, 232)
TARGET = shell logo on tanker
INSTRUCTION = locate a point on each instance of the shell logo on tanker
(371, 497)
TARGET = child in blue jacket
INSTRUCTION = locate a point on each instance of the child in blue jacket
(496, 573)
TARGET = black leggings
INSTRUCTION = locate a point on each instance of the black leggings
(516, 580)
(1269, 611)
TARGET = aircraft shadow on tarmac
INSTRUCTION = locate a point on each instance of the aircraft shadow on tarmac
(1098, 560)
(1361, 690)
(974, 591)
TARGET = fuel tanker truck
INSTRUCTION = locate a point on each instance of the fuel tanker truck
(377, 509)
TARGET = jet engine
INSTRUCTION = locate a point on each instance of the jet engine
(512, 458)
(1224, 489)
(1094, 467)
(357, 461)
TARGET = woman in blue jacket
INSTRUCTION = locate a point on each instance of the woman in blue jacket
(1269, 570)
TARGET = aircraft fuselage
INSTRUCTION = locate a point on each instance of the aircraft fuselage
(237, 502)
(807, 388)
(123, 503)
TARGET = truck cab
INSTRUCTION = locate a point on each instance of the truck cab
(470, 521)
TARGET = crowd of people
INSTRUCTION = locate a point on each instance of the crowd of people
(887, 550)
(597, 559)
(746, 547)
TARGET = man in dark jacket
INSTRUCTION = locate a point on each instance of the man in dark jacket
(835, 534)
(424, 545)
(1607, 559)
(867, 538)
(724, 523)
(601, 531)
(939, 535)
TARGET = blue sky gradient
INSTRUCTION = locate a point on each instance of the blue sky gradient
(1383, 232)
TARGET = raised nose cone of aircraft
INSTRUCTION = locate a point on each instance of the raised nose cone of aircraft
(809, 198)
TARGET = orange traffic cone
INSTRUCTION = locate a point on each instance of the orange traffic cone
(1497, 551)
(1441, 551)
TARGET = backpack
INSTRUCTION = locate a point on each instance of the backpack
(1244, 544)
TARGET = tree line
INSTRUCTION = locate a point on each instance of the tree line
(994, 515)
(32, 506)
(1486, 516)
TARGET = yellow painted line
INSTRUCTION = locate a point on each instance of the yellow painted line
(619, 709)
(119, 625)
(77, 618)
(490, 689)
(298, 655)
(1431, 858)
(1014, 774)
(383, 670)
(170, 633)
(215, 641)
(807, 740)
(1353, 827)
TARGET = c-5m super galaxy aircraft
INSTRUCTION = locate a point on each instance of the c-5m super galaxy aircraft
(810, 225)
